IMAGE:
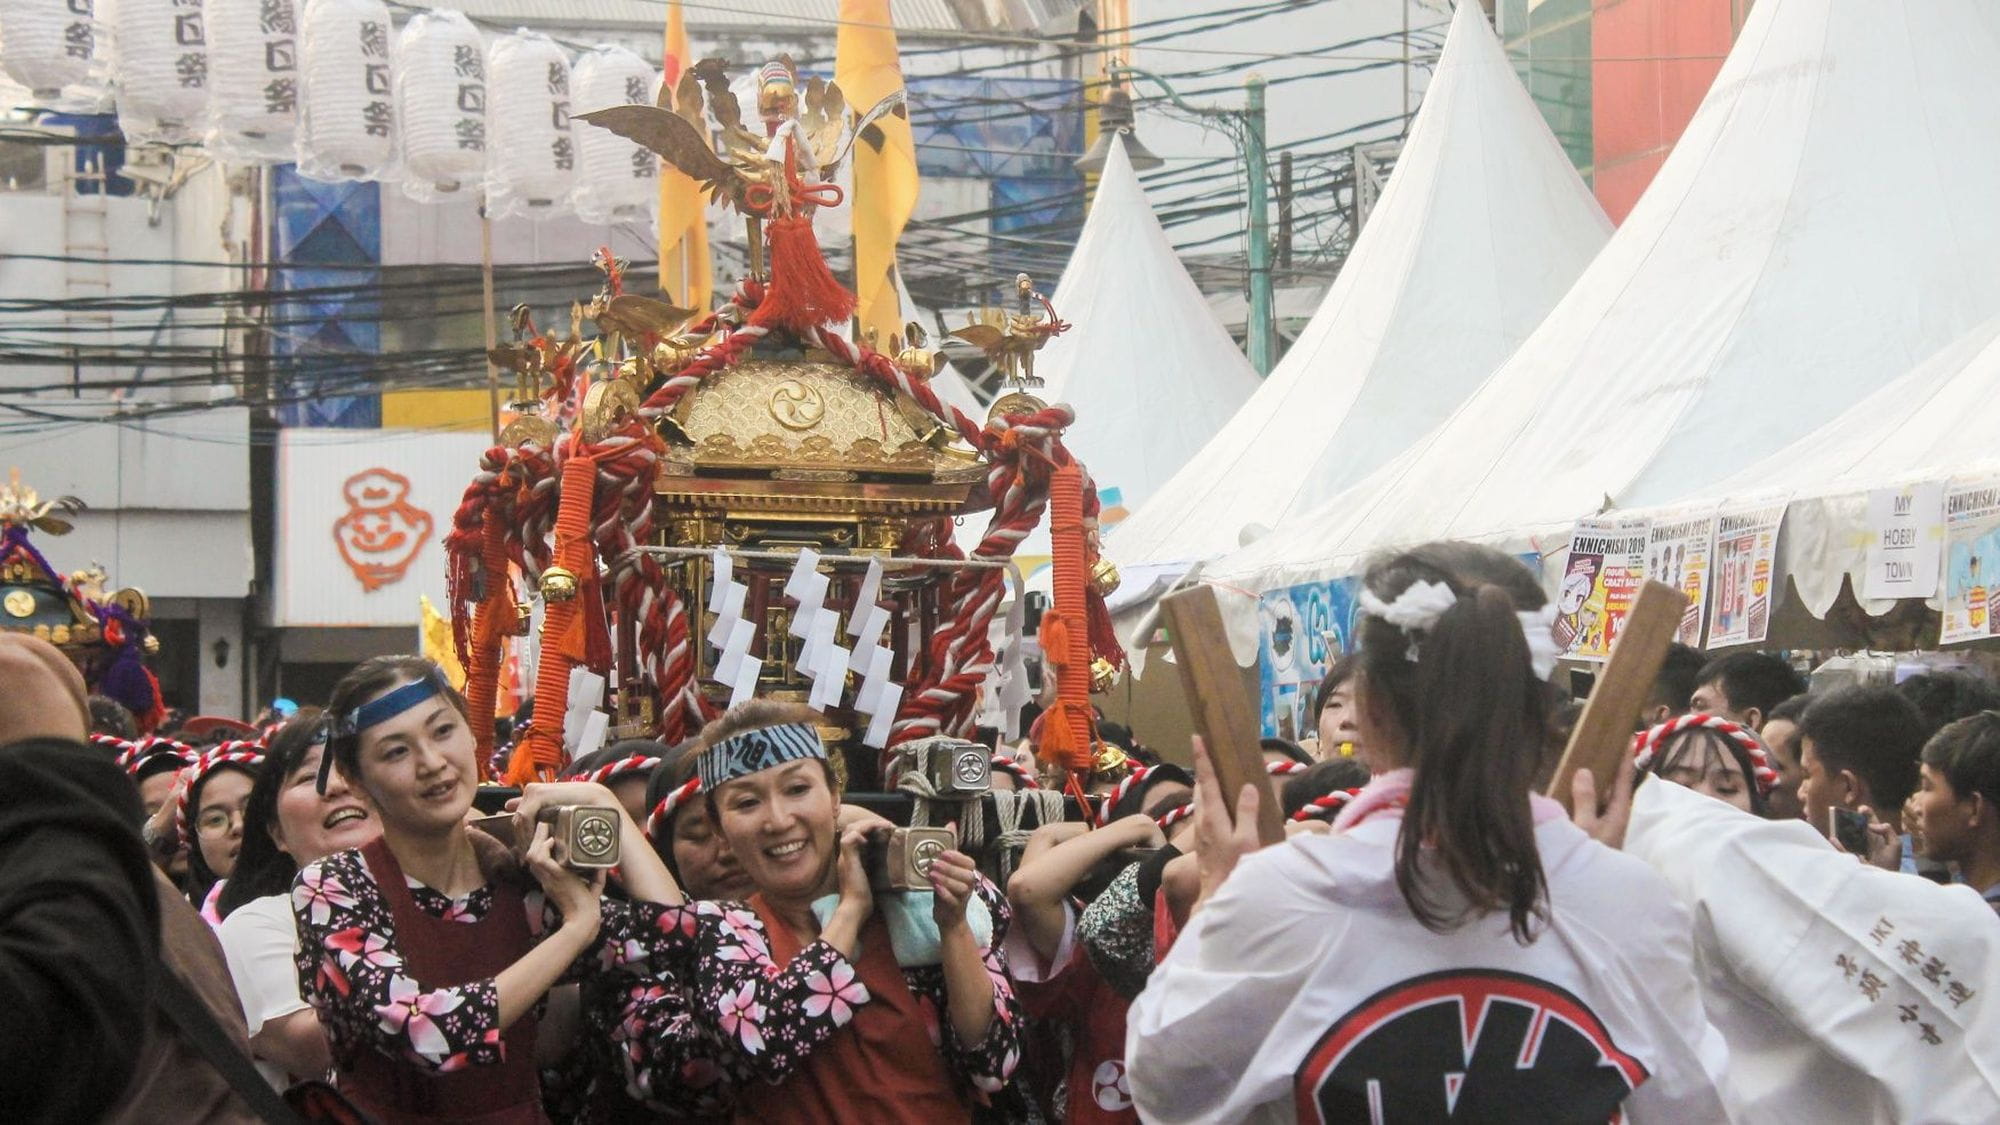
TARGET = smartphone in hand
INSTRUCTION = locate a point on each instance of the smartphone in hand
(1849, 829)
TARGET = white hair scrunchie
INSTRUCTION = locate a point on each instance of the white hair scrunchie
(1416, 610)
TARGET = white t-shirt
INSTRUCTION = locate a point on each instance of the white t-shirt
(1305, 991)
(259, 940)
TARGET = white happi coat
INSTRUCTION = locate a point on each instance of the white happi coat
(1305, 990)
(1846, 993)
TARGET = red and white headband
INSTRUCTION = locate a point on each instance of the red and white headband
(1285, 768)
(606, 774)
(656, 821)
(1111, 799)
(1174, 816)
(136, 753)
(243, 753)
(1646, 746)
(1016, 770)
(1326, 806)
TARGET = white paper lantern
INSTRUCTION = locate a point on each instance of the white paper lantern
(253, 93)
(617, 180)
(347, 111)
(161, 72)
(46, 45)
(531, 162)
(441, 102)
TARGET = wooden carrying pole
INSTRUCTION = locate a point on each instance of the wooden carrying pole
(1223, 714)
(1604, 731)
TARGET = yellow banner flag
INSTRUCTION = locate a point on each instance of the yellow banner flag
(885, 160)
(685, 274)
(437, 642)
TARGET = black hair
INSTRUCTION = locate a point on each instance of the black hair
(1673, 752)
(1331, 776)
(262, 868)
(1472, 715)
(986, 736)
(1755, 681)
(158, 762)
(1291, 750)
(1791, 710)
(369, 679)
(1948, 695)
(201, 878)
(108, 716)
(1679, 675)
(1967, 753)
(1873, 731)
(1134, 799)
(1341, 672)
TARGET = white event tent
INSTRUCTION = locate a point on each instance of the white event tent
(1825, 224)
(1481, 229)
(1150, 371)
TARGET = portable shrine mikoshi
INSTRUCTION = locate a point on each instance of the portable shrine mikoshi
(106, 635)
(716, 505)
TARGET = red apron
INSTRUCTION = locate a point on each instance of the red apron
(439, 954)
(881, 1069)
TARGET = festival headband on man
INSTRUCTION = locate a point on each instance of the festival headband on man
(1173, 816)
(755, 751)
(1137, 778)
(668, 806)
(1646, 746)
(1416, 611)
(375, 712)
(612, 771)
(137, 754)
(241, 753)
(1326, 806)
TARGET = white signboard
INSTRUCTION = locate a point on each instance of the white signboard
(1905, 541)
(362, 516)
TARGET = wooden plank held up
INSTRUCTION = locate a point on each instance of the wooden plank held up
(1223, 714)
(1604, 731)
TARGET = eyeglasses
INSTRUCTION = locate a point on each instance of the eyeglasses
(217, 822)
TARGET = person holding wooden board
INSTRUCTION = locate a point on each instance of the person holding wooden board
(1457, 948)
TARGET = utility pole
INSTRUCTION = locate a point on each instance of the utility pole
(1246, 128)
(1285, 210)
(1259, 330)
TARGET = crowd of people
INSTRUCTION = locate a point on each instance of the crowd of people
(1782, 910)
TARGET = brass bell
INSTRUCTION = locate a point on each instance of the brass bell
(523, 618)
(1104, 577)
(1110, 761)
(920, 361)
(151, 644)
(558, 584)
(1103, 675)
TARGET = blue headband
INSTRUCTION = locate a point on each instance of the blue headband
(374, 713)
(758, 750)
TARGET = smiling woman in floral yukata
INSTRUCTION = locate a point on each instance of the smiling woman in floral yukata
(832, 1005)
(428, 952)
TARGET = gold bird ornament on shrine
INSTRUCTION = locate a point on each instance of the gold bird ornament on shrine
(22, 507)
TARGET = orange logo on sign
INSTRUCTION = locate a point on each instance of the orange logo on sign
(382, 531)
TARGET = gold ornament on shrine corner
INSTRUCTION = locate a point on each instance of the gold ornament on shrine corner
(1103, 675)
(1110, 762)
(1010, 340)
(20, 505)
(1104, 577)
(606, 405)
(558, 584)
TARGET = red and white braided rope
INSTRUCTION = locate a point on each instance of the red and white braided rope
(606, 774)
(240, 753)
(1326, 806)
(1285, 768)
(1174, 816)
(1117, 794)
(137, 752)
(656, 821)
(1015, 770)
(1646, 745)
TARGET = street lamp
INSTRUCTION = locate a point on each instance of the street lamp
(1246, 130)
(1114, 116)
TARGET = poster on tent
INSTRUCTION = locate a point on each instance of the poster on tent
(1677, 553)
(1302, 630)
(1972, 561)
(1746, 548)
(1905, 541)
(1607, 565)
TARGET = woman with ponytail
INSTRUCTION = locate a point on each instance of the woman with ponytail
(1455, 948)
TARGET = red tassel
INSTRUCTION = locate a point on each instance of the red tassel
(803, 294)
